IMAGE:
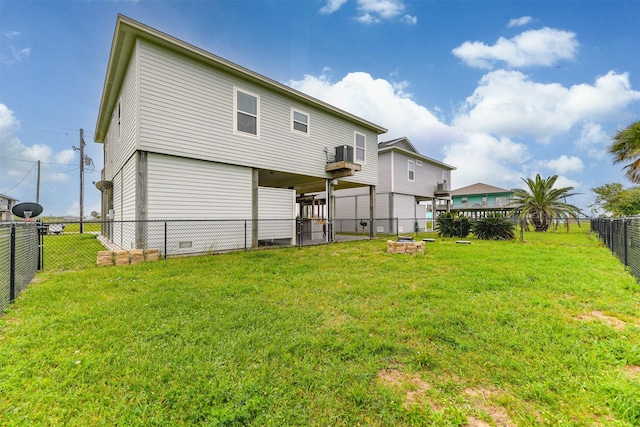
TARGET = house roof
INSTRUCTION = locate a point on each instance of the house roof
(128, 30)
(2, 196)
(405, 146)
(478, 188)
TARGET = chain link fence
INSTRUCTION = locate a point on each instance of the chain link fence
(26, 247)
(20, 258)
(622, 237)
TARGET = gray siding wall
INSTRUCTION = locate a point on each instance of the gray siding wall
(427, 175)
(384, 172)
(129, 189)
(276, 211)
(120, 142)
(186, 109)
(181, 188)
(404, 208)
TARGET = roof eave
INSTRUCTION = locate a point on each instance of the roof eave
(126, 32)
(418, 156)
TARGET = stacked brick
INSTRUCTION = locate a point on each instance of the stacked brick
(134, 256)
(405, 247)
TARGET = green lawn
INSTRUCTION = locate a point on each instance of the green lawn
(545, 332)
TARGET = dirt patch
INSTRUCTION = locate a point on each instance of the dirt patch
(411, 384)
(481, 398)
(614, 322)
(632, 370)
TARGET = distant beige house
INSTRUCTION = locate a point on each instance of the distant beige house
(6, 204)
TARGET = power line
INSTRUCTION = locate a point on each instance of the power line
(58, 130)
(23, 178)
(29, 161)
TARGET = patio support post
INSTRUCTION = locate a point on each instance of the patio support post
(331, 212)
(254, 208)
(372, 211)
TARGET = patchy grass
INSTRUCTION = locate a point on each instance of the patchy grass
(486, 334)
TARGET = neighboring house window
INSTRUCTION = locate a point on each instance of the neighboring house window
(412, 170)
(247, 112)
(360, 144)
(501, 201)
(299, 121)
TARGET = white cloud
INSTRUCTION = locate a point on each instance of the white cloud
(411, 20)
(594, 140)
(332, 6)
(385, 103)
(17, 165)
(508, 103)
(564, 164)
(480, 157)
(373, 11)
(564, 182)
(16, 55)
(518, 22)
(535, 47)
(65, 157)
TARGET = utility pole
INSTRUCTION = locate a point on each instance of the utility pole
(38, 186)
(81, 180)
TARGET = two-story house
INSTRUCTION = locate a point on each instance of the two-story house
(189, 135)
(479, 199)
(409, 184)
(6, 205)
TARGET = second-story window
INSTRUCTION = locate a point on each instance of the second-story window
(299, 122)
(360, 147)
(411, 167)
(247, 112)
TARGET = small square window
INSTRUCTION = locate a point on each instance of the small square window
(300, 121)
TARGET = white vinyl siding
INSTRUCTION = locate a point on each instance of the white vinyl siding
(120, 142)
(186, 109)
(404, 209)
(180, 188)
(276, 213)
(246, 107)
(360, 148)
(129, 194)
(300, 122)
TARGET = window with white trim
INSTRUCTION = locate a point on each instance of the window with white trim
(411, 167)
(299, 121)
(246, 119)
(360, 147)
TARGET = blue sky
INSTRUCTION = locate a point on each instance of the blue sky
(500, 89)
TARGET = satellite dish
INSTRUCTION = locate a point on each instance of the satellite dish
(104, 185)
(27, 210)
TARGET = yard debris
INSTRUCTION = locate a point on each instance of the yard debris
(133, 256)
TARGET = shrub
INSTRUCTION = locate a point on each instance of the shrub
(494, 227)
(452, 225)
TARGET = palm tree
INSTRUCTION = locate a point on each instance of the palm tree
(626, 147)
(542, 203)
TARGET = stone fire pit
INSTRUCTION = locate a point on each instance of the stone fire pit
(405, 245)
